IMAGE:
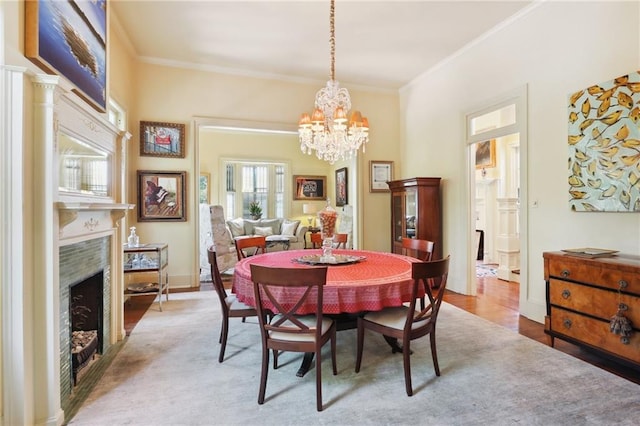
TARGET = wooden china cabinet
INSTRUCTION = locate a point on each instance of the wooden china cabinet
(416, 212)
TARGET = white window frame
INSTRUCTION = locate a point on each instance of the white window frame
(271, 208)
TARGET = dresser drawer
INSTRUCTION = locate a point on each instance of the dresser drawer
(594, 272)
(594, 333)
(593, 301)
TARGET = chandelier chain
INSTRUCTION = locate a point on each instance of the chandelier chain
(332, 38)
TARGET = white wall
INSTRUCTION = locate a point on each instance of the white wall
(554, 49)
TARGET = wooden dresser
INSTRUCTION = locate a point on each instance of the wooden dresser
(582, 296)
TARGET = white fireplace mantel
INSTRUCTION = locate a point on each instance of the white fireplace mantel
(68, 211)
(65, 215)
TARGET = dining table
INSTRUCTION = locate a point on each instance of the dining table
(361, 281)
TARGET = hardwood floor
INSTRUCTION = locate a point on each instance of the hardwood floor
(497, 301)
(134, 309)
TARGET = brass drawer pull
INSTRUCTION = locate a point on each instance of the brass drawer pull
(565, 273)
(623, 284)
(566, 323)
(566, 294)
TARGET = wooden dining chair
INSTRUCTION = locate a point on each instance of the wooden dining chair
(316, 240)
(338, 240)
(231, 307)
(420, 249)
(285, 330)
(258, 243)
(407, 322)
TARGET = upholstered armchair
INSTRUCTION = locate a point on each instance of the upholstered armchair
(225, 247)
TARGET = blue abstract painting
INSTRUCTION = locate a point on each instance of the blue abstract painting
(69, 38)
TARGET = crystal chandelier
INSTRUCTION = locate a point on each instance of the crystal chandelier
(328, 131)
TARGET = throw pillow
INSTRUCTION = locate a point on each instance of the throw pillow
(236, 226)
(273, 223)
(249, 226)
(289, 227)
(263, 230)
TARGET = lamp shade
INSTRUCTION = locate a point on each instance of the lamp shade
(308, 208)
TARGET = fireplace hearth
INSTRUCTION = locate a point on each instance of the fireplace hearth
(85, 311)
(86, 315)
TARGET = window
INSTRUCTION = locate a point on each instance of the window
(497, 119)
(116, 115)
(262, 182)
(255, 187)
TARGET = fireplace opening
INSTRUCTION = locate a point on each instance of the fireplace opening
(86, 315)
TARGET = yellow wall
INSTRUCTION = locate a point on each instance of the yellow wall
(175, 95)
(158, 93)
(121, 72)
(217, 144)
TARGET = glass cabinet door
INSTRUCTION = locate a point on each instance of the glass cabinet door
(410, 212)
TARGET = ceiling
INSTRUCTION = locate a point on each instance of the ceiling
(380, 45)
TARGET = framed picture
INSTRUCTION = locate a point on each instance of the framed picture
(342, 189)
(69, 38)
(309, 187)
(161, 139)
(205, 179)
(380, 173)
(161, 196)
(486, 154)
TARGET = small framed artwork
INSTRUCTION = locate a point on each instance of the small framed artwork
(309, 187)
(161, 196)
(342, 189)
(204, 183)
(161, 139)
(69, 38)
(486, 154)
(380, 173)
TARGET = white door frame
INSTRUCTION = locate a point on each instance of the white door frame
(519, 98)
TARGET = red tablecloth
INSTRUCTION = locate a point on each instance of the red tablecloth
(379, 281)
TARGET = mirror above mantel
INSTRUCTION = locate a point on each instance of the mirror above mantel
(83, 168)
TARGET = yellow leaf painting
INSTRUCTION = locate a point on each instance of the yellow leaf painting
(604, 146)
(625, 100)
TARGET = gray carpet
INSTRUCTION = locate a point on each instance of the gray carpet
(168, 374)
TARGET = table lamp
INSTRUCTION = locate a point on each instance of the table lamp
(310, 210)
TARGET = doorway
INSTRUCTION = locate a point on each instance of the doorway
(496, 147)
(269, 142)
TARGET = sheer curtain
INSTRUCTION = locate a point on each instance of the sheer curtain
(206, 240)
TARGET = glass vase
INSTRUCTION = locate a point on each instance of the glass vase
(327, 218)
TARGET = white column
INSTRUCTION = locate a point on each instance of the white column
(485, 216)
(46, 292)
(508, 241)
(119, 174)
(16, 308)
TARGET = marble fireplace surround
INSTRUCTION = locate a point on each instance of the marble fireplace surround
(67, 220)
